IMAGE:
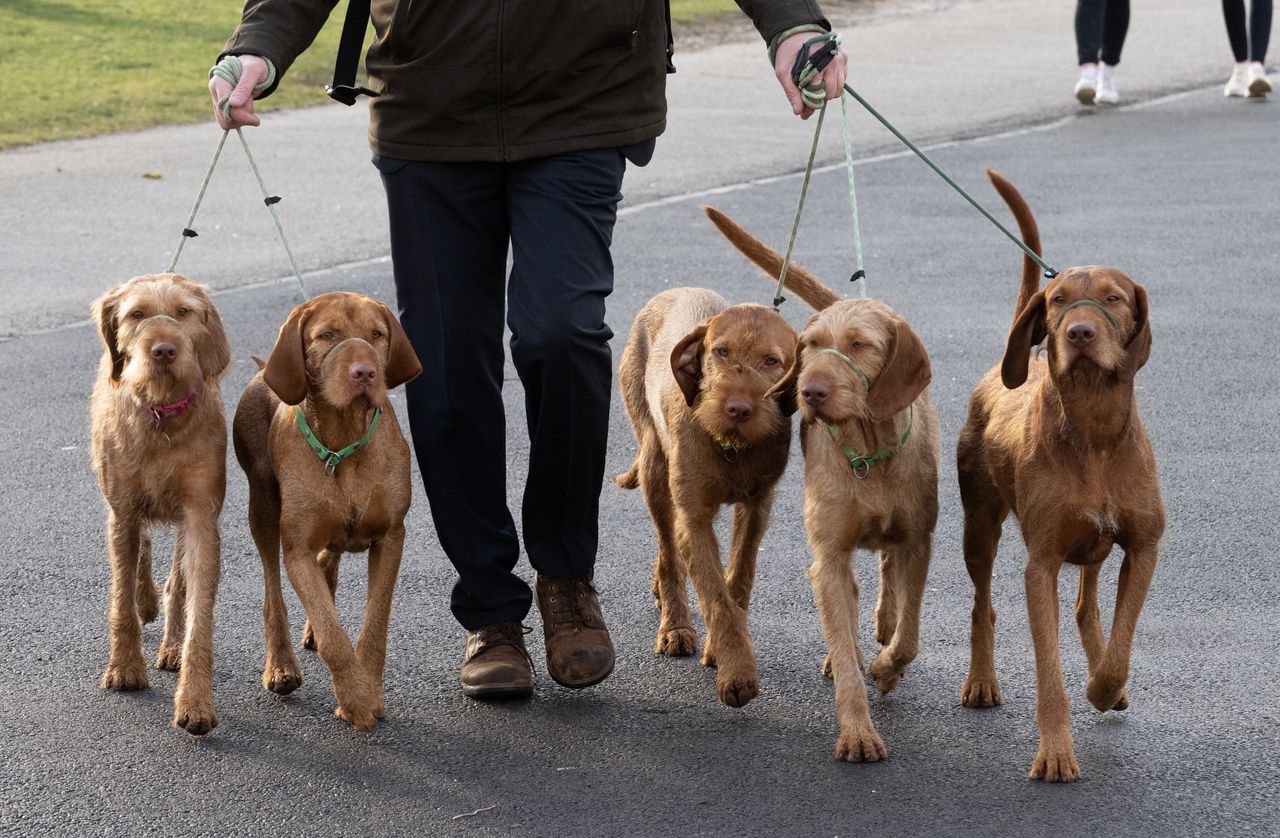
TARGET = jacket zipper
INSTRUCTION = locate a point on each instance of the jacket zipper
(502, 84)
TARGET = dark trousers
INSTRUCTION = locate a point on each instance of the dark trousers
(450, 227)
(1248, 40)
(1100, 29)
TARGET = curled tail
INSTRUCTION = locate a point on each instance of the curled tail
(630, 479)
(805, 285)
(1030, 236)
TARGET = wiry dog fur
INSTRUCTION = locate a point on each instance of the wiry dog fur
(335, 359)
(163, 342)
(698, 379)
(1057, 440)
(892, 507)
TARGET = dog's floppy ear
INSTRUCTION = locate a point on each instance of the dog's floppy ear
(904, 376)
(686, 364)
(286, 370)
(214, 352)
(403, 364)
(1028, 331)
(105, 311)
(1138, 349)
(785, 390)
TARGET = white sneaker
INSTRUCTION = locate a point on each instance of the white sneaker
(1107, 93)
(1259, 85)
(1238, 84)
(1087, 87)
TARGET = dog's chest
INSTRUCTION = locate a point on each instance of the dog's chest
(348, 515)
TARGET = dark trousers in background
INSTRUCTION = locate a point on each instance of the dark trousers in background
(1248, 37)
(1100, 29)
(450, 227)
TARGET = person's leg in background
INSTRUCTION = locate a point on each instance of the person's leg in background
(1115, 25)
(1233, 13)
(562, 212)
(1259, 36)
(449, 233)
(1089, 25)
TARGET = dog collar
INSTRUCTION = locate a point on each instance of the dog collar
(160, 412)
(853, 366)
(862, 465)
(1099, 306)
(332, 459)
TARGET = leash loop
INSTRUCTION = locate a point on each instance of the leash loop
(229, 69)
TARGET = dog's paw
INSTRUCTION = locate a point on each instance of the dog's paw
(358, 716)
(826, 666)
(980, 692)
(169, 657)
(680, 642)
(125, 677)
(281, 680)
(860, 746)
(886, 672)
(196, 717)
(1106, 696)
(1054, 765)
(736, 690)
(308, 637)
(886, 627)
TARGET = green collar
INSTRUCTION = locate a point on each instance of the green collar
(862, 465)
(1093, 303)
(332, 459)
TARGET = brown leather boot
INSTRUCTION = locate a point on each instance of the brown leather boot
(579, 651)
(496, 663)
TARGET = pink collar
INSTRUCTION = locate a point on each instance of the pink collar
(160, 412)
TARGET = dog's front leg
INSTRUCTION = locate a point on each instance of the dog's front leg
(371, 645)
(676, 637)
(148, 598)
(281, 673)
(909, 568)
(201, 566)
(836, 591)
(1089, 622)
(169, 655)
(1055, 760)
(351, 684)
(728, 646)
(750, 520)
(126, 669)
(1106, 684)
(329, 561)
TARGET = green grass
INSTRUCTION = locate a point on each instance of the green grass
(76, 68)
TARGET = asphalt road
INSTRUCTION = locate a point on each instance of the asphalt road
(1180, 193)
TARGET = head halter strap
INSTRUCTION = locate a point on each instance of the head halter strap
(1099, 306)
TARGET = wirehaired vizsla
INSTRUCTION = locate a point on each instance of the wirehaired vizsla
(1057, 440)
(159, 442)
(870, 438)
(697, 380)
(328, 472)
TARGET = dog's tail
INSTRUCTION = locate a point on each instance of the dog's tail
(805, 285)
(631, 478)
(1030, 237)
(262, 365)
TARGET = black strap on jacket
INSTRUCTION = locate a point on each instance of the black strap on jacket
(344, 87)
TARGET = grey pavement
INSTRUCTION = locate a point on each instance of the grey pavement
(78, 216)
(1177, 192)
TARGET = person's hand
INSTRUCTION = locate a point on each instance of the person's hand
(253, 71)
(832, 76)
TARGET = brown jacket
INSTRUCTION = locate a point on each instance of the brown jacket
(503, 80)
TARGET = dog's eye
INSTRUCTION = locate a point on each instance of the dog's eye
(136, 314)
(326, 335)
(183, 311)
(1058, 300)
(771, 361)
(855, 344)
(376, 334)
(722, 352)
(1112, 298)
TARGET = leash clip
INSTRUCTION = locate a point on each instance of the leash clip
(861, 468)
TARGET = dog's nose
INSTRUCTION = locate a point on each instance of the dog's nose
(164, 352)
(1082, 333)
(738, 409)
(815, 392)
(362, 373)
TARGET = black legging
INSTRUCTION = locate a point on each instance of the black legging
(1100, 29)
(1248, 44)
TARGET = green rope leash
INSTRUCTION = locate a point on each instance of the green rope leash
(332, 459)
(229, 69)
(859, 274)
(778, 299)
(1035, 257)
